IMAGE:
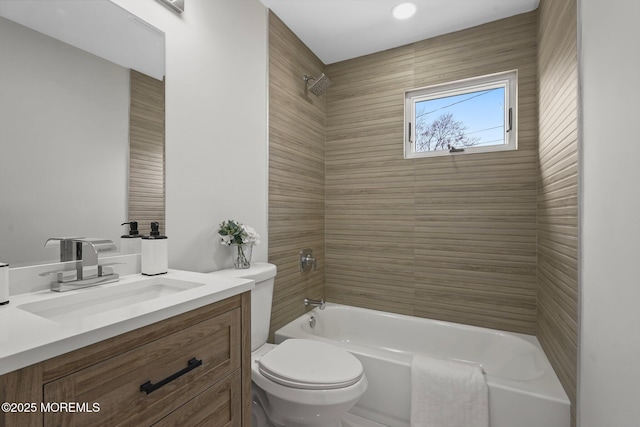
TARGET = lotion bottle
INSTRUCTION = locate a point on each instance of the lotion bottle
(131, 243)
(154, 257)
(4, 283)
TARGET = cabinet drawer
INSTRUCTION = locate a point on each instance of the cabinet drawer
(115, 384)
(217, 406)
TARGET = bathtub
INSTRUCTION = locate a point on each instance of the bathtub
(524, 391)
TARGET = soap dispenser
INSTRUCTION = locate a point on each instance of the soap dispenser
(4, 283)
(131, 243)
(154, 258)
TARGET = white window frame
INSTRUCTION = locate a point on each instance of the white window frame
(507, 79)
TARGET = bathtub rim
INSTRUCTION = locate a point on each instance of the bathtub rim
(546, 387)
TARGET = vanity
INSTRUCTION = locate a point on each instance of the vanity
(178, 355)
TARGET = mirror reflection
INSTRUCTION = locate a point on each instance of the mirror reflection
(65, 143)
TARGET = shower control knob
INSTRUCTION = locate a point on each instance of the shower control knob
(307, 260)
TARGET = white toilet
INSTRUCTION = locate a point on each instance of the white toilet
(299, 382)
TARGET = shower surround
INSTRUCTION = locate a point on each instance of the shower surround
(481, 239)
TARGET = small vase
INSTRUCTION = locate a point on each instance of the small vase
(241, 255)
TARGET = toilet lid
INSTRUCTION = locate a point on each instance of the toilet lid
(309, 364)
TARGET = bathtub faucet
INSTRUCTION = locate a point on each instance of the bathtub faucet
(314, 303)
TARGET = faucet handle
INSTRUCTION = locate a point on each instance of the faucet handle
(106, 269)
(61, 276)
(307, 260)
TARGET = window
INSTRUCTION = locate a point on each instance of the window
(475, 115)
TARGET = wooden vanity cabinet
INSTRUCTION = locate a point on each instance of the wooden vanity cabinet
(189, 370)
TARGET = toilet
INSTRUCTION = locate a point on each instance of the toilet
(299, 382)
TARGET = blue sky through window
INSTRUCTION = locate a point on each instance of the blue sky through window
(481, 113)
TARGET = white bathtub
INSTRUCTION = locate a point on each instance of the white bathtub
(524, 391)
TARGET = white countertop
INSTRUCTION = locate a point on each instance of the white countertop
(26, 338)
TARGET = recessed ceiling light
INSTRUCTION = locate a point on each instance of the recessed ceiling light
(404, 10)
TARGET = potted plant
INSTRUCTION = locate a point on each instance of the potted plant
(241, 238)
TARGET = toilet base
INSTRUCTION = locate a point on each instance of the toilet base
(260, 418)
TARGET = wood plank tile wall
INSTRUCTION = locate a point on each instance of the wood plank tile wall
(451, 238)
(296, 172)
(558, 190)
(146, 152)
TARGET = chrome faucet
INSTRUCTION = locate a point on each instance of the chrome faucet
(88, 272)
(315, 303)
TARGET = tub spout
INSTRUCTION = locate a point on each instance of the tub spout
(314, 303)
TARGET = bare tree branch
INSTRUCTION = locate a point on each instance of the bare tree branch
(442, 133)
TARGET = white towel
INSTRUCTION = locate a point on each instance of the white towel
(446, 393)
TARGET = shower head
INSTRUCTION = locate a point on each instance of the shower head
(319, 86)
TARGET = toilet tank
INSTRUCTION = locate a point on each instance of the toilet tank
(261, 296)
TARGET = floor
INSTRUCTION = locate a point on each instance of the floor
(350, 420)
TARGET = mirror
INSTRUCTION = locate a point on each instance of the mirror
(64, 114)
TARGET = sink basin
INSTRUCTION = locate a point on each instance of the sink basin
(95, 300)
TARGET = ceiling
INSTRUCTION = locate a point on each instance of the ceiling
(88, 25)
(336, 30)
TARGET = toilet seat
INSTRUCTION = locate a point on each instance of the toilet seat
(310, 365)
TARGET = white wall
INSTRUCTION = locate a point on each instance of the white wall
(609, 360)
(216, 122)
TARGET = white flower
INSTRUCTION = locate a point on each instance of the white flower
(225, 240)
(251, 235)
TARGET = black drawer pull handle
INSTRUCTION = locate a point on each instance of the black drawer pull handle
(191, 365)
